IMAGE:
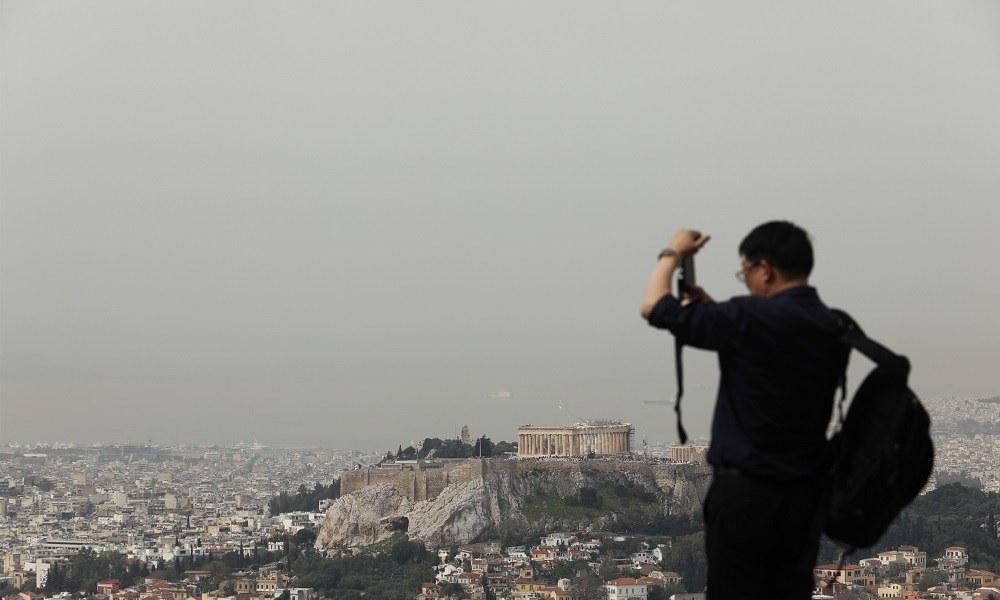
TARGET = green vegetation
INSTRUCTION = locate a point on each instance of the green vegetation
(686, 556)
(84, 570)
(951, 515)
(483, 447)
(370, 575)
(635, 510)
(304, 499)
(946, 478)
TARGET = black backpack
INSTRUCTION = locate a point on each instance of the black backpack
(882, 453)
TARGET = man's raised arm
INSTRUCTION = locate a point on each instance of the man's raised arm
(685, 243)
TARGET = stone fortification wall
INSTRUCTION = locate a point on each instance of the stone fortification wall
(427, 480)
(416, 481)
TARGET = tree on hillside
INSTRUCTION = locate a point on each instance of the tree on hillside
(931, 578)
(305, 499)
(503, 448)
(590, 587)
(687, 556)
(483, 447)
(453, 590)
(304, 537)
(590, 498)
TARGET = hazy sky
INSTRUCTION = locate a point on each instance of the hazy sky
(346, 223)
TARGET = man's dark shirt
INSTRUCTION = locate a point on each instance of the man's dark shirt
(781, 364)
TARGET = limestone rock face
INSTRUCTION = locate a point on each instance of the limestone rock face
(459, 515)
(365, 517)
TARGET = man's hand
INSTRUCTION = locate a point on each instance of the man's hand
(688, 241)
(695, 294)
(685, 243)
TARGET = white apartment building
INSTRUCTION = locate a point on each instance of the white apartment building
(908, 555)
(625, 588)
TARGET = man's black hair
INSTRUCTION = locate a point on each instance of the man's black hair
(783, 244)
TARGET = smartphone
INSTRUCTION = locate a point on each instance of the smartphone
(685, 280)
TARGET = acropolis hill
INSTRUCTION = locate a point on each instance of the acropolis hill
(425, 479)
(464, 500)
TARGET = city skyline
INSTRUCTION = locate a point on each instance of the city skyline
(341, 224)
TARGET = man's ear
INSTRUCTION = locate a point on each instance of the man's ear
(768, 270)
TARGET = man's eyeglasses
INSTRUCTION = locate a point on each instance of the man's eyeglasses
(741, 275)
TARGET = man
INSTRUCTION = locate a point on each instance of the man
(780, 364)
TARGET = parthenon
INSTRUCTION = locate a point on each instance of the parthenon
(579, 439)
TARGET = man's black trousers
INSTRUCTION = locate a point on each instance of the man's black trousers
(761, 537)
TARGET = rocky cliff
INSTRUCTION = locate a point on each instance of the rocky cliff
(509, 493)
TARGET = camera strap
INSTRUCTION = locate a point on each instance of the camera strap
(678, 363)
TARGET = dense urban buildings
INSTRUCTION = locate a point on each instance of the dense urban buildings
(159, 504)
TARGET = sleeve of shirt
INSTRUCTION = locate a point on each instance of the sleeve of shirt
(707, 325)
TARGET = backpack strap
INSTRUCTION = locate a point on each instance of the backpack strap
(855, 337)
(679, 365)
